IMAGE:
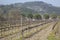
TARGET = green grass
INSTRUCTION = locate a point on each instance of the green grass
(52, 36)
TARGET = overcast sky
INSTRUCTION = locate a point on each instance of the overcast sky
(53, 2)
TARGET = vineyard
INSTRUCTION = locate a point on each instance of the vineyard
(29, 20)
(25, 30)
(31, 27)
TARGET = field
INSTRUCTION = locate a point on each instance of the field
(29, 20)
(38, 30)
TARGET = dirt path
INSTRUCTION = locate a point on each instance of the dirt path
(42, 35)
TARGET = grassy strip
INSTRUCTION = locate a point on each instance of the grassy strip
(52, 35)
(57, 30)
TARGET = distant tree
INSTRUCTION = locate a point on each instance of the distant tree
(23, 15)
(46, 16)
(30, 16)
(37, 16)
(53, 16)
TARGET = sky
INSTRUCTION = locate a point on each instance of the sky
(53, 2)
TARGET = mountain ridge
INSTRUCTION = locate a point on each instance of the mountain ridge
(32, 7)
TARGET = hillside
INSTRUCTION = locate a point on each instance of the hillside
(31, 7)
(42, 7)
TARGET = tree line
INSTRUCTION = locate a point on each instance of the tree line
(36, 16)
(44, 16)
